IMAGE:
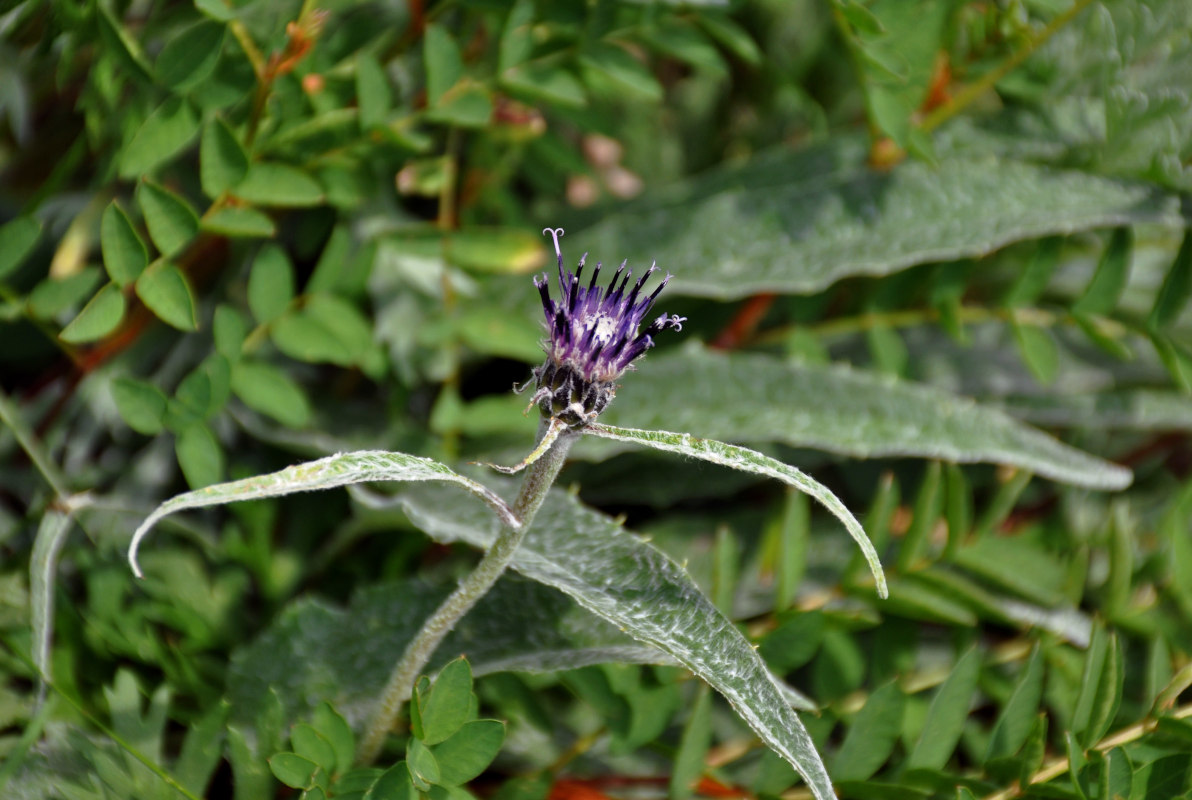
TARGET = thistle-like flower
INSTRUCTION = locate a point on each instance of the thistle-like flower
(593, 338)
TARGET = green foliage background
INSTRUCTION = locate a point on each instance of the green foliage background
(932, 252)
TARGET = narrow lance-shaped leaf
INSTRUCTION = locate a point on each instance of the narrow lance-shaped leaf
(841, 410)
(326, 473)
(747, 460)
(799, 222)
(632, 584)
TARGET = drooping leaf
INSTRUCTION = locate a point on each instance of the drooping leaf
(799, 222)
(842, 410)
(747, 460)
(326, 473)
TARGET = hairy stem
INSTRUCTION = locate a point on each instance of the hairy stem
(539, 478)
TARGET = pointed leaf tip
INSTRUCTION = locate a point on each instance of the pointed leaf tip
(341, 469)
(746, 460)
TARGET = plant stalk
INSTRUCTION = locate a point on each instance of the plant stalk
(539, 477)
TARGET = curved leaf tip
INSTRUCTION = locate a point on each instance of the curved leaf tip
(746, 460)
(340, 469)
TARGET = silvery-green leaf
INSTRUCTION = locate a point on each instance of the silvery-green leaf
(338, 470)
(759, 398)
(798, 222)
(315, 652)
(632, 584)
(1133, 409)
(746, 460)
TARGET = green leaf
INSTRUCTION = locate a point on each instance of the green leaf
(1018, 715)
(270, 283)
(469, 752)
(189, 57)
(55, 295)
(216, 9)
(799, 222)
(163, 134)
(468, 106)
(98, 318)
(946, 716)
(394, 784)
(305, 338)
(310, 744)
(445, 710)
(424, 767)
(498, 250)
(372, 92)
(171, 221)
(1038, 350)
(552, 83)
(222, 160)
(165, 291)
(142, 405)
(293, 770)
(267, 389)
(278, 185)
(1173, 295)
(1100, 688)
(202, 750)
(1162, 778)
(239, 222)
(199, 455)
(871, 735)
(17, 238)
(731, 36)
(517, 40)
(746, 460)
(124, 255)
(693, 747)
(622, 70)
(842, 410)
(337, 470)
(335, 729)
(1102, 294)
(120, 42)
(444, 63)
(1031, 284)
(229, 329)
(344, 321)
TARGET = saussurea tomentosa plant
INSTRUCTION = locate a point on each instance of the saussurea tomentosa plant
(595, 333)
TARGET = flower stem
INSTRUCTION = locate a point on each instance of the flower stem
(539, 478)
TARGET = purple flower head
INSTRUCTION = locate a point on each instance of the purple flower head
(594, 336)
